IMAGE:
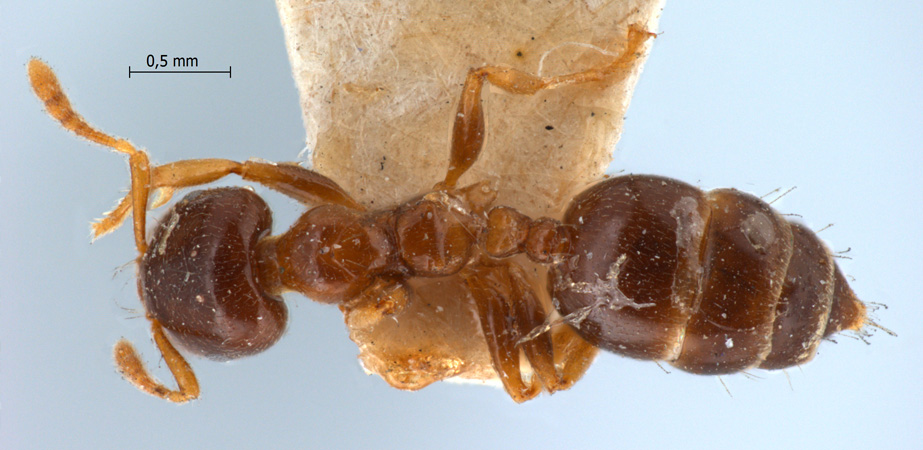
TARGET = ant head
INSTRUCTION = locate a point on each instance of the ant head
(199, 278)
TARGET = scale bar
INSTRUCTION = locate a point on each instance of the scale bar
(179, 71)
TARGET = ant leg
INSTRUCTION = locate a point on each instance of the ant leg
(503, 317)
(301, 184)
(558, 357)
(575, 356)
(129, 364)
(510, 313)
(304, 185)
(292, 180)
(468, 130)
(529, 314)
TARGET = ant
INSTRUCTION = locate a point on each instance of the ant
(644, 266)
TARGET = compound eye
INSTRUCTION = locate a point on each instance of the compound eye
(200, 281)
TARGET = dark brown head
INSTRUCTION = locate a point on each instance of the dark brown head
(199, 278)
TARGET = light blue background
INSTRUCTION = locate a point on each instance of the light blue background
(756, 96)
